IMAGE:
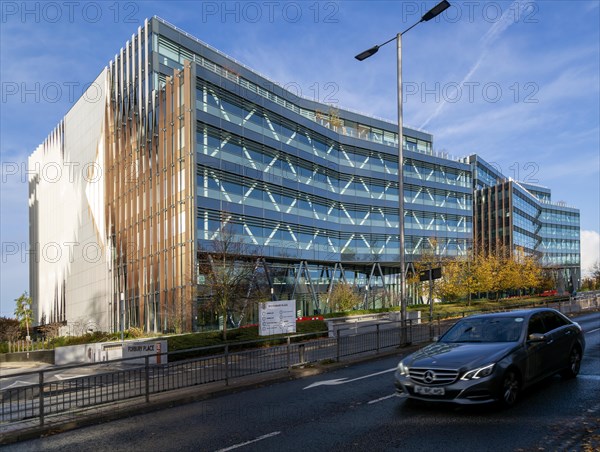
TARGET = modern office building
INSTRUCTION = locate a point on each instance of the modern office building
(521, 218)
(175, 142)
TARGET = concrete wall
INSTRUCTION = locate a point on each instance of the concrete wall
(88, 353)
(107, 351)
(40, 356)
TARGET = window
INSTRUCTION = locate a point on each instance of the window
(553, 321)
(536, 325)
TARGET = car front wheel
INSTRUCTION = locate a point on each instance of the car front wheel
(511, 386)
(574, 364)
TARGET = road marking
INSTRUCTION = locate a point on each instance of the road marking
(381, 399)
(592, 331)
(589, 377)
(260, 438)
(19, 383)
(68, 377)
(341, 381)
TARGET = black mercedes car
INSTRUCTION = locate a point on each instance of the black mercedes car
(492, 357)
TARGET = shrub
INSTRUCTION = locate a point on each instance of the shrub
(135, 333)
(10, 329)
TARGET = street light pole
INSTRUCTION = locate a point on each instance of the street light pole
(401, 182)
(433, 12)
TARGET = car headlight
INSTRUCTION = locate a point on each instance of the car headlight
(480, 372)
(402, 369)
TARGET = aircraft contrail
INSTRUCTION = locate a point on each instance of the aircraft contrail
(493, 34)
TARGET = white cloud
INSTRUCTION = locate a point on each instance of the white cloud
(590, 251)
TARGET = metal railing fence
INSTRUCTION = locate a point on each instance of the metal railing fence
(57, 394)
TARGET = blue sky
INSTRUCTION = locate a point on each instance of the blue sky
(517, 82)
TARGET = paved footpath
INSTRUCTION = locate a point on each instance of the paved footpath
(7, 369)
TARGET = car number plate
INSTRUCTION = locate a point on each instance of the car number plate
(424, 390)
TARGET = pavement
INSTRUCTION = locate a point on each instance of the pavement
(585, 438)
(118, 410)
(11, 368)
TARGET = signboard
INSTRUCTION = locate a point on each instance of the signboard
(436, 273)
(154, 349)
(277, 317)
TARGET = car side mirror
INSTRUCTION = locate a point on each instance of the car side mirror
(536, 337)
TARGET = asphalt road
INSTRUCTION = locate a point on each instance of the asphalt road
(354, 408)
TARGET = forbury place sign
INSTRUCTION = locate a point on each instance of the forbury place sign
(277, 317)
(156, 351)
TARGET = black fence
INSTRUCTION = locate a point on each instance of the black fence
(60, 393)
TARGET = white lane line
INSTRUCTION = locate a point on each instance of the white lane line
(68, 377)
(381, 398)
(589, 377)
(342, 381)
(260, 438)
(592, 331)
(19, 383)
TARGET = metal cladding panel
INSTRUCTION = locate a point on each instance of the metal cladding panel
(70, 270)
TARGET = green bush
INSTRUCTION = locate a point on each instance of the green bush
(332, 315)
(312, 326)
(235, 338)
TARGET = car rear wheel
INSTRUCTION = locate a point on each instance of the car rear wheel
(511, 386)
(574, 364)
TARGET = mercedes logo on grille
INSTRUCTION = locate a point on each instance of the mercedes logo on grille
(429, 376)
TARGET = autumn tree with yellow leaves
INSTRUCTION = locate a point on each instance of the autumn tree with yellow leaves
(487, 274)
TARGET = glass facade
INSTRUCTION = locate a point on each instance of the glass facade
(310, 193)
(195, 142)
(302, 180)
(310, 186)
(529, 222)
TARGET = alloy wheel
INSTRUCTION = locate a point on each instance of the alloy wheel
(510, 388)
(574, 364)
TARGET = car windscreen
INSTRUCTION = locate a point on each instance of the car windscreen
(485, 329)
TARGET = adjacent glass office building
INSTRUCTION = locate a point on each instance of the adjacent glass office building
(190, 142)
(522, 218)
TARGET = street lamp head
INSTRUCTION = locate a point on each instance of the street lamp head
(436, 10)
(367, 53)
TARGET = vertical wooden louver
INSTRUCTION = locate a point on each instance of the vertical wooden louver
(150, 192)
